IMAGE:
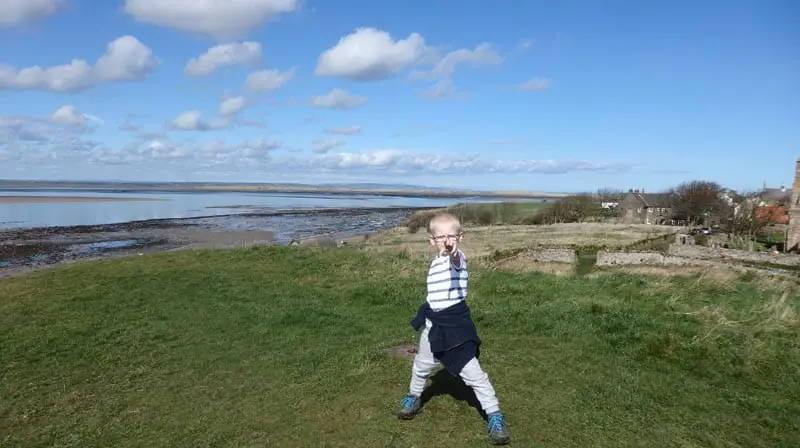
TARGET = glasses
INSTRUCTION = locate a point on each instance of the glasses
(446, 237)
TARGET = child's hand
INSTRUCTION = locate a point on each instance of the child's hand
(452, 252)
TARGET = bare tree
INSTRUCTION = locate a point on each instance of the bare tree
(744, 219)
(608, 194)
(697, 201)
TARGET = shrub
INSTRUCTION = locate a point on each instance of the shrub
(418, 220)
(575, 208)
(485, 217)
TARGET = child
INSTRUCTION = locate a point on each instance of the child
(448, 332)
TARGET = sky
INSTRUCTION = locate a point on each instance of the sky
(553, 96)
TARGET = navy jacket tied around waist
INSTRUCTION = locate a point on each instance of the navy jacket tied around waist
(453, 337)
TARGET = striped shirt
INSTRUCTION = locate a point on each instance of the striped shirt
(447, 284)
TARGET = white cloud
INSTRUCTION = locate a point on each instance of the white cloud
(409, 163)
(535, 85)
(210, 154)
(338, 99)
(481, 56)
(231, 106)
(192, 121)
(216, 18)
(344, 131)
(243, 53)
(268, 80)
(68, 115)
(371, 54)
(444, 69)
(19, 12)
(125, 59)
(65, 125)
(250, 158)
(323, 146)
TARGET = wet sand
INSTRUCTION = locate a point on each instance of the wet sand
(50, 199)
(38, 249)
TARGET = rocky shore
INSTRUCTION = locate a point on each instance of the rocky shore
(22, 250)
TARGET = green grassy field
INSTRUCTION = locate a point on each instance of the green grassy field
(284, 347)
(481, 213)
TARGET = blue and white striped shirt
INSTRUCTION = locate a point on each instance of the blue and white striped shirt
(447, 283)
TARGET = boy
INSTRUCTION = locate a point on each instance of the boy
(448, 333)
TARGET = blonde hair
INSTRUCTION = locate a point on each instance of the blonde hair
(443, 218)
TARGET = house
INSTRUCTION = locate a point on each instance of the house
(772, 214)
(609, 204)
(638, 207)
(775, 196)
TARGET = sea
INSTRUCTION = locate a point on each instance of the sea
(193, 204)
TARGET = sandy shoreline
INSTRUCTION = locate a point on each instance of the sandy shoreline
(52, 199)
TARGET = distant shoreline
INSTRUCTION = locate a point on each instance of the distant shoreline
(21, 199)
(123, 187)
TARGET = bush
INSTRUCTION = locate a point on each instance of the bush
(419, 220)
(485, 217)
(576, 208)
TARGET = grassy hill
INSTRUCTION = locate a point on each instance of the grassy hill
(284, 346)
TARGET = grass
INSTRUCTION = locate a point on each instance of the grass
(587, 259)
(284, 346)
(485, 241)
(493, 213)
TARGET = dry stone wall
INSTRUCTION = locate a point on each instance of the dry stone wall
(645, 258)
(549, 255)
(719, 254)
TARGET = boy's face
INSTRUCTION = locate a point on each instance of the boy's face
(445, 238)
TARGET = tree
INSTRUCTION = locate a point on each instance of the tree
(697, 201)
(607, 194)
(743, 217)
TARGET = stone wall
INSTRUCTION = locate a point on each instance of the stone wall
(719, 254)
(646, 258)
(793, 240)
(549, 255)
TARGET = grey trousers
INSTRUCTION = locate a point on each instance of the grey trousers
(473, 375)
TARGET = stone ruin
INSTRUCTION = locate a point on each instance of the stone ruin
(793, 237)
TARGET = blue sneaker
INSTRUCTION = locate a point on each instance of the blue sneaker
(409, 407)
(498, 433)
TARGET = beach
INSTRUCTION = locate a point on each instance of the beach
(23, 250)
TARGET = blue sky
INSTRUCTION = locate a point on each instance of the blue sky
(544, 96)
